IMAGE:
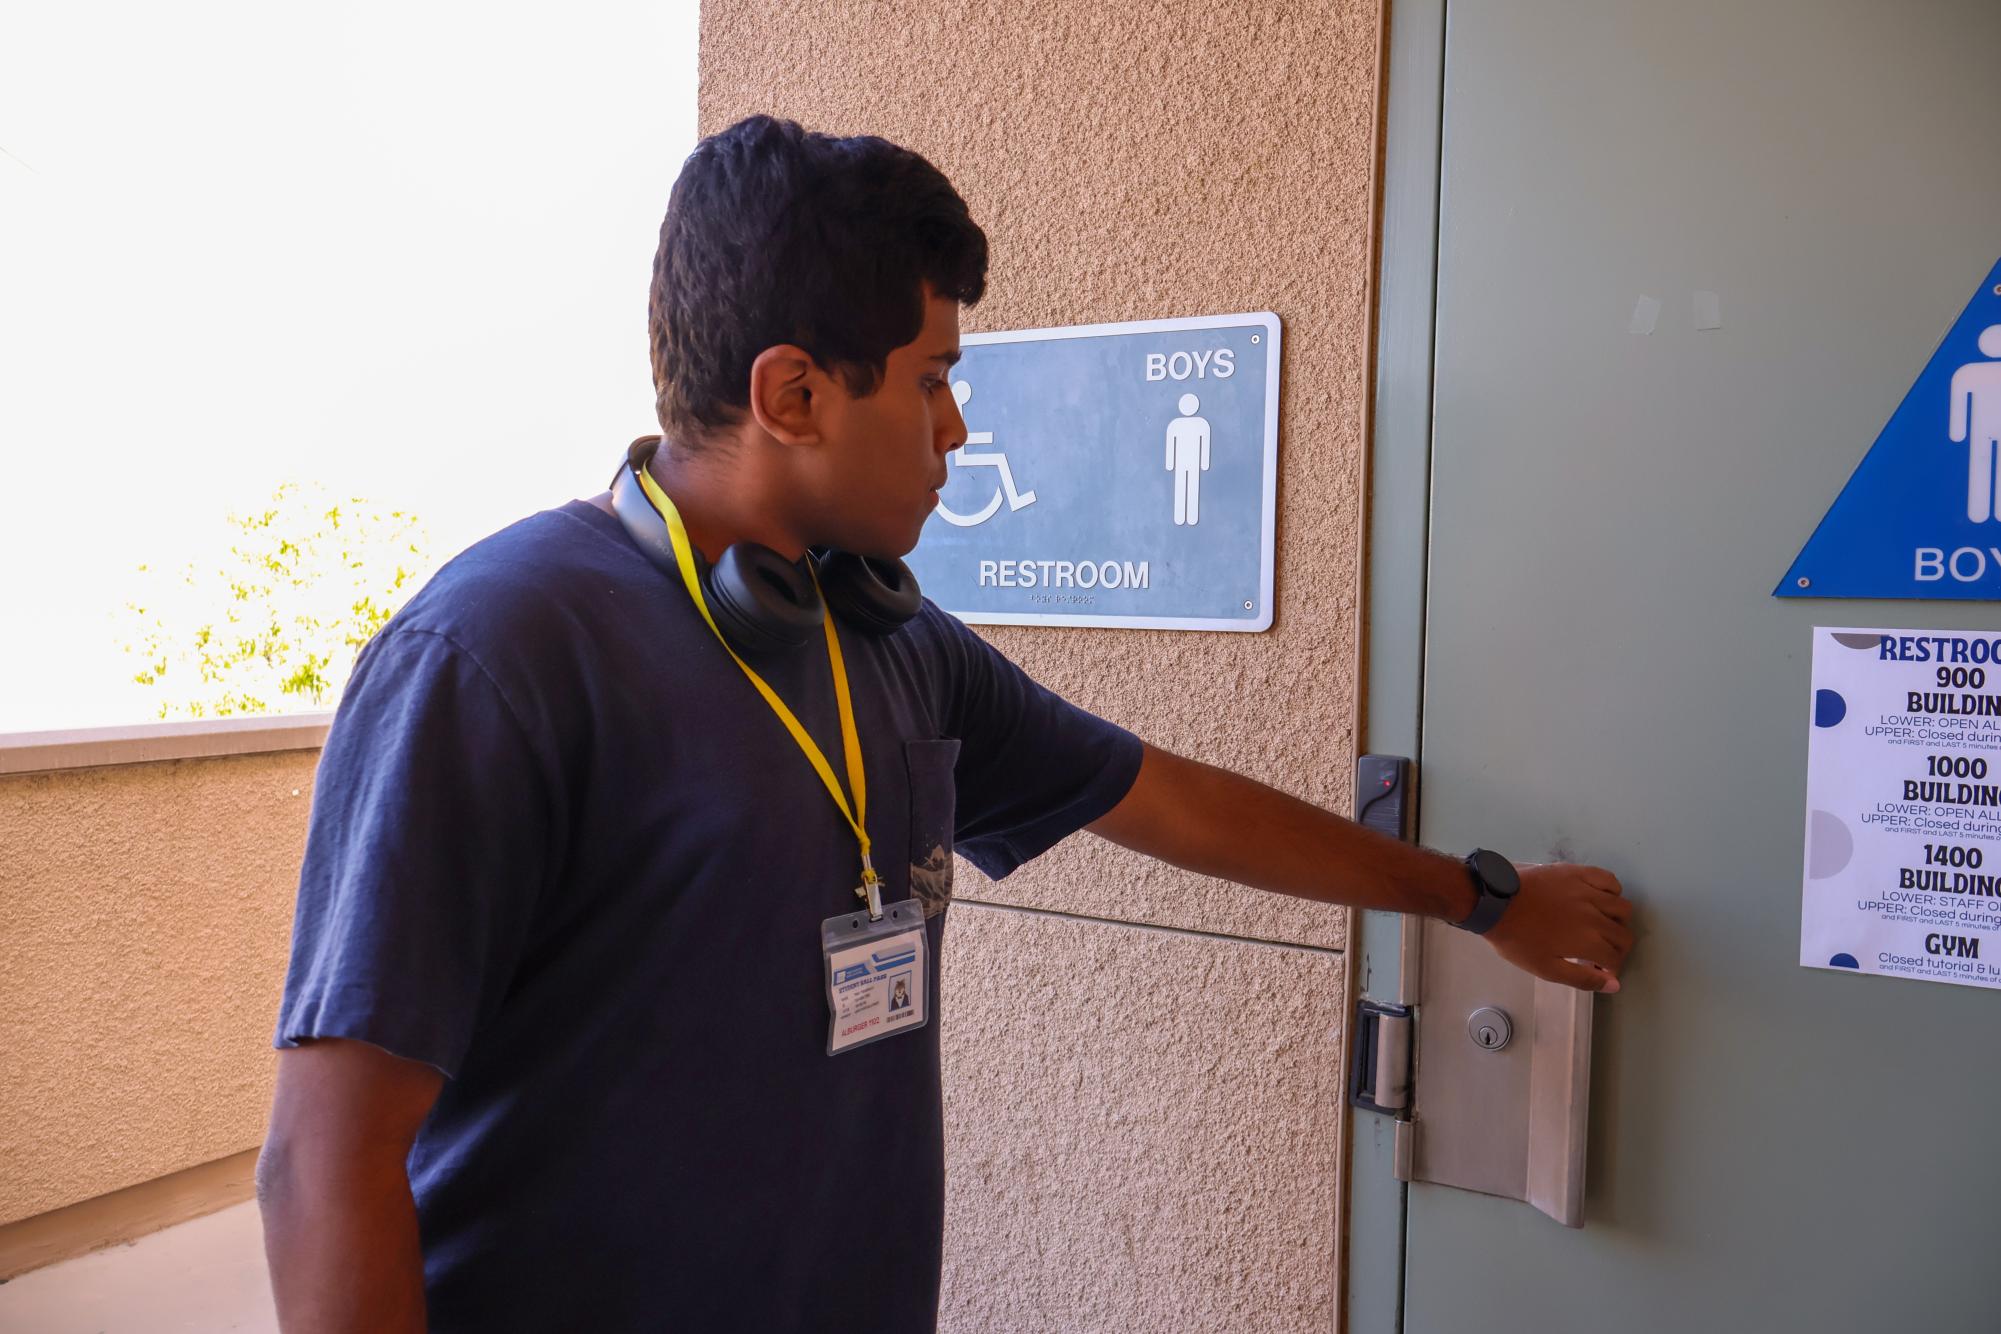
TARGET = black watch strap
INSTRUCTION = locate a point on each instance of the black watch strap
(1496, 882)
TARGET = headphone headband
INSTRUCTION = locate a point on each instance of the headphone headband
(761, 600)
(641, 451)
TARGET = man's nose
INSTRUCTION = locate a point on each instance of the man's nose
(952, 428)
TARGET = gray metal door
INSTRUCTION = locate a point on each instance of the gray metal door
(1608, 678)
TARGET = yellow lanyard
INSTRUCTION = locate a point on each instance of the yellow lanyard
(870, 889)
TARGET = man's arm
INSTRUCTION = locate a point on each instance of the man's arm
(1217, 823)
(340, 1225)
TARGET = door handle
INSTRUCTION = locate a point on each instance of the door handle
(1500, 1089)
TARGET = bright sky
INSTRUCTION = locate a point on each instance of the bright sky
(400, 249)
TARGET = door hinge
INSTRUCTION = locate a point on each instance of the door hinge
(1381, 1081)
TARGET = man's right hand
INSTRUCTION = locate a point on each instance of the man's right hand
(1568, 924)
(340, 1226)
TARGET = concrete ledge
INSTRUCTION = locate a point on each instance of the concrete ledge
(142, 743)
(125, 1215)
(147, 914)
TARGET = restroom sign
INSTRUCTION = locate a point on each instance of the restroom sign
(1113, 474)
(1921, 516)
(1903, 805)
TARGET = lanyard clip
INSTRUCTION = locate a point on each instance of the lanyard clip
(870, 889)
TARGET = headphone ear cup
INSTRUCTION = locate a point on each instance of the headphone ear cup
(878, 596)
(761, 600)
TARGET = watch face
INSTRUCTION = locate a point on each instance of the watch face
(1497, 872)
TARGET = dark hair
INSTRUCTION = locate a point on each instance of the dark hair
(775, 235)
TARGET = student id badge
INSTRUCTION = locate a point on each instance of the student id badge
(875, 975)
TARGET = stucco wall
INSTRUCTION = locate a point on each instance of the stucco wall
(145, 911)
(1142, 161)
(1151, 1142)
(1170, 1162)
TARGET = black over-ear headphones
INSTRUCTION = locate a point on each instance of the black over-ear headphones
(760, 599)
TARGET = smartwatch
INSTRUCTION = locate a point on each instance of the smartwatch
(1497, 882)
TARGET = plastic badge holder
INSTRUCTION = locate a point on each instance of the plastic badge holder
(875, 975)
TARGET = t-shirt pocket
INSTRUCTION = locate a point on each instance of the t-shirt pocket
(933, 811)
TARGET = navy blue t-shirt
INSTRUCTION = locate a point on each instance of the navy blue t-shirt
(561, 850)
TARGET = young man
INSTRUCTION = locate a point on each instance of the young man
(557, 1045)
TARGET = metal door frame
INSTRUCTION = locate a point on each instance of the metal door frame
(1397, 486)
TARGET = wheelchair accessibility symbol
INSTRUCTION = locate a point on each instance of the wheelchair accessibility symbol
(965, 457)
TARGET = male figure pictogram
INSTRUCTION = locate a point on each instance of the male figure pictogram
(1976, 419)
(1188, 459)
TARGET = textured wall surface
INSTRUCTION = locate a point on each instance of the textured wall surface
(1145, 161)
(145, 915)
(1166, 1155)
(1160, 1157)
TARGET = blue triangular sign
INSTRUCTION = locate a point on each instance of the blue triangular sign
(1921, 516)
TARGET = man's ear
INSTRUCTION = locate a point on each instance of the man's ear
(787, 392)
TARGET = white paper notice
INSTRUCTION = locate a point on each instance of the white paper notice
(1903, 805)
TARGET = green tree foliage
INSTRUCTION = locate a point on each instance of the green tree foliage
(275, 622)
